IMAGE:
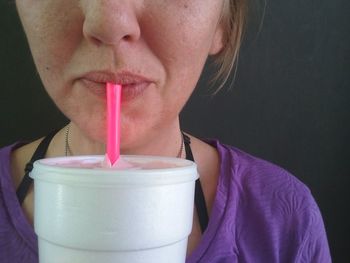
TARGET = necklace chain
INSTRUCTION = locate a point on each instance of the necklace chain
(179, 155)
(68, 151)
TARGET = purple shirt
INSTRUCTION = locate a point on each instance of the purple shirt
(261, 213)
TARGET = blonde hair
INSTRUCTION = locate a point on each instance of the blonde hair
(233, 21)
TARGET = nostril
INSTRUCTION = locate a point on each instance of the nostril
(127, 37)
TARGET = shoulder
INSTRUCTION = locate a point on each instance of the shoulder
(13, 158)
(273, 207)
(7, 161)
(263, 184)
(5, 157)
(256, 176)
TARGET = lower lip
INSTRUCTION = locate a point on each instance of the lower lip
(129, 92)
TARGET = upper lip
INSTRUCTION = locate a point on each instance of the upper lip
(122, 78)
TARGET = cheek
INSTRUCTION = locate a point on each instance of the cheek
(52, 29)
(182, 41)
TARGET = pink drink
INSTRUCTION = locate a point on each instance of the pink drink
(122, 164)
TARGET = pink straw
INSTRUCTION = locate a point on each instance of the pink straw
(113, 122)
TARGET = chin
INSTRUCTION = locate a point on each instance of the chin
(99, 137)
(95, 132)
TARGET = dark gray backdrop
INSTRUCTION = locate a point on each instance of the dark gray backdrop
(289, 103)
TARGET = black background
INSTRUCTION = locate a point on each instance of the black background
(289, 102)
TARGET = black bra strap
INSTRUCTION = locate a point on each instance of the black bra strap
(39, 153)
(198, 194)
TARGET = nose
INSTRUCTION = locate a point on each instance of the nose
(110, 22)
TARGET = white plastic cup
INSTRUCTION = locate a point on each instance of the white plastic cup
(110, 215)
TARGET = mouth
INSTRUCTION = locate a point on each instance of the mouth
(132, 85)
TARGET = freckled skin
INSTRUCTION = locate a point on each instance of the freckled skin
(164, 40)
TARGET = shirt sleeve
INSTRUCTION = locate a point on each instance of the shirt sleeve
(314, 247)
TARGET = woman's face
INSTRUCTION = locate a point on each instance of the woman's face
(155, 48)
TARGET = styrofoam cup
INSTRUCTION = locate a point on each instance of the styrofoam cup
(136, 214)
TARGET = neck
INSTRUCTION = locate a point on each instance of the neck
(163, 142)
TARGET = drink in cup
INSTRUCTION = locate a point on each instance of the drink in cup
(139, 211)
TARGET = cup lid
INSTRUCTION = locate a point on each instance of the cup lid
(134, 170)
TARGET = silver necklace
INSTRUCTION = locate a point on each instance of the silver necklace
(179, 155)
(68, 151)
